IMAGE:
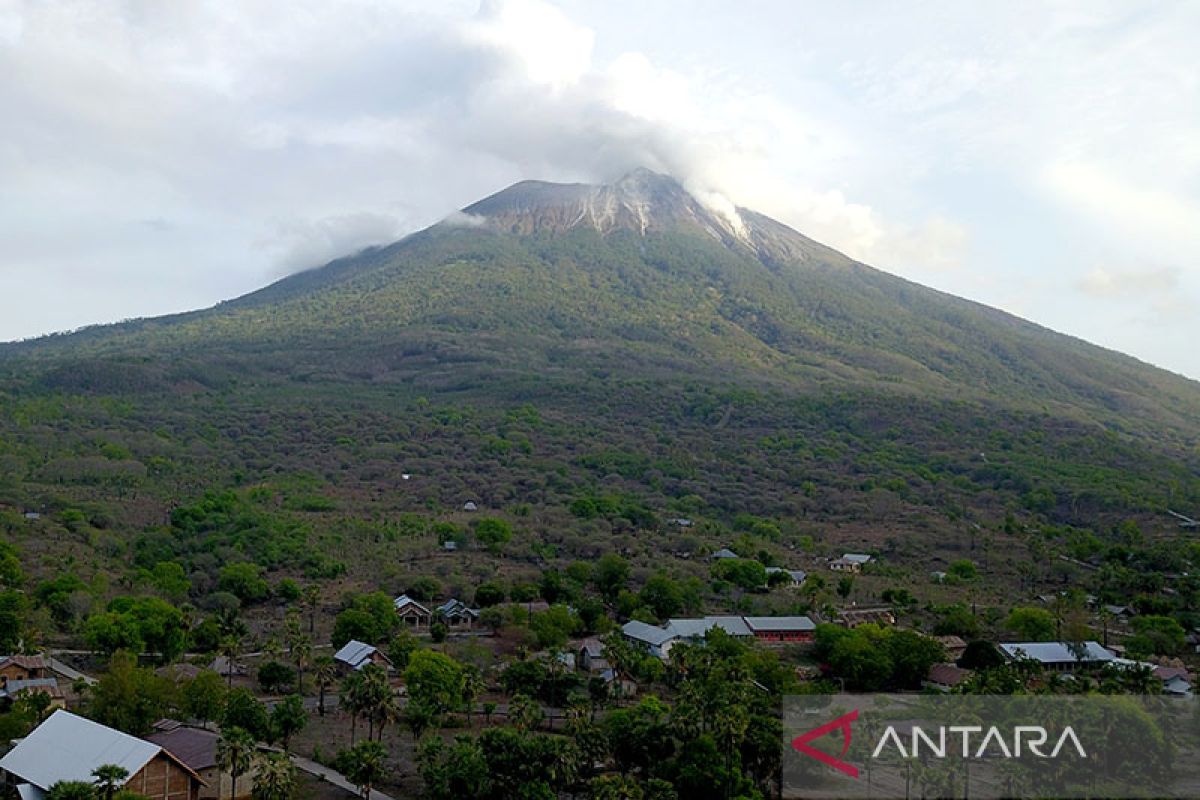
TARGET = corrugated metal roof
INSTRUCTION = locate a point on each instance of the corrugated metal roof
(1056, 652)
(780, 624)
(67, 748)
(192, 746)
(646, 633)
(354, 653)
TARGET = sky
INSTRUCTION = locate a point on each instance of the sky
(1040, 157)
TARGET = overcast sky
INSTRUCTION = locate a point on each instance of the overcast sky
(1043, 158)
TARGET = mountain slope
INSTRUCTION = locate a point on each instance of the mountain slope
(590, 363)
(639, 276)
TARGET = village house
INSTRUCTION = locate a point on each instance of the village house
(22, 668)
(650, 638)
(658, 641)
(590, 656)
(355, 655)
(12, 691)
(954, 646)
(1059, 656)
(411, 612)
(796, 576)
(782, 629)
(67, 747)
(1176, 681)
(944, 677)
(850, 562)
(457, 614)
(724, 552)
(197, 748)
(876, 615)
(227, 667)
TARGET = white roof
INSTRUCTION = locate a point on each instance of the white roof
(724, 552)
(1056, 652)
(404, 600)
(67, 748)
(857, 558)
(780, 624)
(354, 653)
(696, 628)
(649, 634)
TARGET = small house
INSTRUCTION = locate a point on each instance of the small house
(945, 677)
(724, 552)
(355, 655)
(197, 748)
(590, 656)
(652, 639)
(795, 576)
(876, 615)
(954, 646)
(850, 562)
(12, 691)
(457, 614)
(22, 668)
(228, 667)
(411, 612)
(470, 506)
(67, 747)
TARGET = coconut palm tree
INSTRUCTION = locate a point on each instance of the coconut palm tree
(302, 653)
(375, 694)
(473, 686)
(275, 778)
(325, 671)
(351, 700)
(109, 778)
(311, 601)
(235, 752)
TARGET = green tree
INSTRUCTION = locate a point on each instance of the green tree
(245, 581)
(1155, 635)
(130, 698)
(273, 676)
(662, 596)
(288, 718)
(434, 680)
(1031, 624)
(244, 711)
(203, 697)
(493, 533)
(610, 576)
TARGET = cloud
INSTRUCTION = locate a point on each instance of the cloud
(990, 154)
(1151, 281)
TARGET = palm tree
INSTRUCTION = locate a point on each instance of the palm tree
(311, 600)
(235, 749)
(365, 762)
(230, 648)
(302, 652)
(110, 778)
(351, 699)
(326, 673)
(473, 686)
(375, 693)
(275, 779)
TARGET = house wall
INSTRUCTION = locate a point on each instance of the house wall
(784, 636)
(163, 779)
(15, 672)
(220, 784)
